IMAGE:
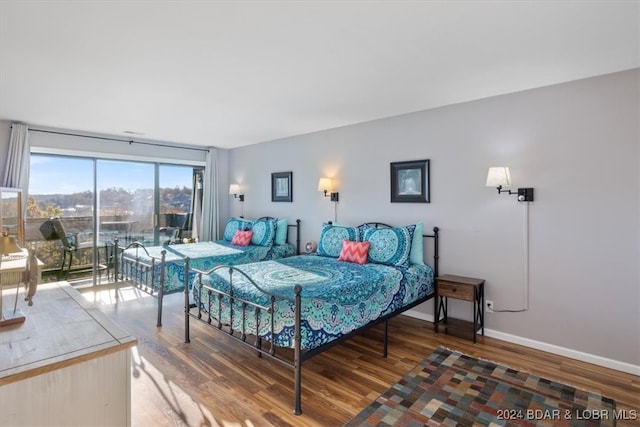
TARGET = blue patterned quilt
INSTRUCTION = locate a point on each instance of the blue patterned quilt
(202, 255)
(337, 297)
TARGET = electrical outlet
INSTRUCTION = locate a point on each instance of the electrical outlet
(488, 305)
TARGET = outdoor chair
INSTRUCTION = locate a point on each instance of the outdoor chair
(71, 244)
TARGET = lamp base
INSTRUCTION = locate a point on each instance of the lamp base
(12, 318)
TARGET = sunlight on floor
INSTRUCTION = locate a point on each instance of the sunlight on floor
(108, 296)
(170, 404)
(155, 398)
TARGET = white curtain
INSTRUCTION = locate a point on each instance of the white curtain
(16, 172)
(210, 208)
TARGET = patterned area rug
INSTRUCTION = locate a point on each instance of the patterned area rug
(451, 388)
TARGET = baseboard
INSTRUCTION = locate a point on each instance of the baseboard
(550, 348)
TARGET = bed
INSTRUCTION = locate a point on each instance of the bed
(309, 303)
(160, 270)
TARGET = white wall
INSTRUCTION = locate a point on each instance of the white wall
(576, 143)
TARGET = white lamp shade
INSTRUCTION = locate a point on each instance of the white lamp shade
(234, 189)
(324, 184)
(499, 175)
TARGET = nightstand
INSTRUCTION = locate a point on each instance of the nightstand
(460, 288)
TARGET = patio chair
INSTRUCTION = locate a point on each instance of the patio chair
(71, 244)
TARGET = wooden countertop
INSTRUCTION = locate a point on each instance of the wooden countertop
(61, 329)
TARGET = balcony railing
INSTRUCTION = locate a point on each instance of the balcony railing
(51, 251)
(126, 229)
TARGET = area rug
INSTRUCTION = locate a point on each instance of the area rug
(451, 388)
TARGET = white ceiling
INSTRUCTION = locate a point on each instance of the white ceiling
(232, 73)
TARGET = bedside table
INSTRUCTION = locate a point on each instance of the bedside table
(460, 288)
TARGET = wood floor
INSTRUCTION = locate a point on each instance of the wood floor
(213, 381)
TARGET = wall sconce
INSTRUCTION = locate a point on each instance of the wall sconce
(235, 190)
(325, 185)
(500, 176)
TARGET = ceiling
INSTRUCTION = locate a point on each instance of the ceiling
(233, 73)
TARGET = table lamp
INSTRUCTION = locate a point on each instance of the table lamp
(8, 245)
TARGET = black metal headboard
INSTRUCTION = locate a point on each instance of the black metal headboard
(297, 227)
(375, 225)
(435, 236)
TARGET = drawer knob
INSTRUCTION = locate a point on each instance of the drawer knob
(453, 289)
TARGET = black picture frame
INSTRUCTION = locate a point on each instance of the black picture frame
(410, 182)
(282, 187)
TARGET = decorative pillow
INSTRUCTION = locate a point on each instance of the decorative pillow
(354, 252)
(233, 225)
(264, 232)
(331, 238)
(390, 246)
(281, 231)
(417, 246)
(242, 238)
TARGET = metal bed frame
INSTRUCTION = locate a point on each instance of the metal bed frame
(142, 274)
(299, 355)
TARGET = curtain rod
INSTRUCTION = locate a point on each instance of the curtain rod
(130, 141)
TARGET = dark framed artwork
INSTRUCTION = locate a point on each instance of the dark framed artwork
(410, 182)
(282, 187)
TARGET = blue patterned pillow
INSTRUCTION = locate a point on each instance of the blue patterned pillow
(390, 246)
(331, 238)
(233, 225)
(264, 232)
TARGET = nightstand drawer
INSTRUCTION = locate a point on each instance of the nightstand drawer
(455, 290)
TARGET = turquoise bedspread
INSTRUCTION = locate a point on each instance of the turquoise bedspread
(337, 297)
(202, 255)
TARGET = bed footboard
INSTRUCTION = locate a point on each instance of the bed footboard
(149, 277)
(240, 308)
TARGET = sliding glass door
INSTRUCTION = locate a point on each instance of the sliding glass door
(60, 206)
(125, 201)
(175, 199)
(137, 201)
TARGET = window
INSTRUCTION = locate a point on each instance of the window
(136, 201)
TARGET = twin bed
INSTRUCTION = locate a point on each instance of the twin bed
(358, 278)
(160, 270)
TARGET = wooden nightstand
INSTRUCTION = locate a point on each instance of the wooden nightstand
(461, 288)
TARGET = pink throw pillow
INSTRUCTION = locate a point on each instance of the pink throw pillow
(354, 252)
(242, 238)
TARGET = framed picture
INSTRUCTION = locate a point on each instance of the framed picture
(410, 182)
(282, 186)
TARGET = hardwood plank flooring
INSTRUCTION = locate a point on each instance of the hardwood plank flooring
(214, 381)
